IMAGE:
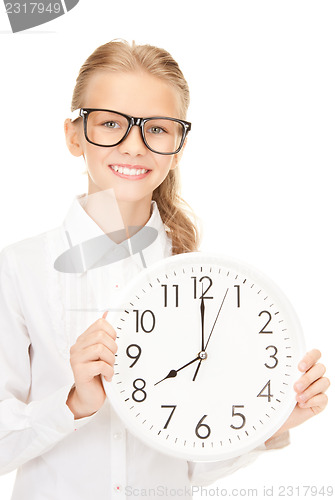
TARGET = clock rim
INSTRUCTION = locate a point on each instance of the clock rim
(280, 296)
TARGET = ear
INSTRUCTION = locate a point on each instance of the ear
(72, 137)
(177, 157)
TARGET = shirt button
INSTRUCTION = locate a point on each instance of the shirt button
(117, 435)
(118, 487)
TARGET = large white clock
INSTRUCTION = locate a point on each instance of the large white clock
(207, 356)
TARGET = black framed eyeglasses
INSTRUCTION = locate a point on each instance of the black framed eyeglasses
(108, 128)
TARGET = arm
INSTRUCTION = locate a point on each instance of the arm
(26, 429)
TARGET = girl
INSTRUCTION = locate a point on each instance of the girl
(57, 427)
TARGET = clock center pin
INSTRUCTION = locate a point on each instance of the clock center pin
(203, 355)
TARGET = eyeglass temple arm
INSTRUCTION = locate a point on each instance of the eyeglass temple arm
(74, 115)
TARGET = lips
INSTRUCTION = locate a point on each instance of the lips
(131, 172)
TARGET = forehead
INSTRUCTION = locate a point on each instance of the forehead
(134, 93)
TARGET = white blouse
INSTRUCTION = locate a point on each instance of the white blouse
(42, 312)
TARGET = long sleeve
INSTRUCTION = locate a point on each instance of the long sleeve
(26, 429)
(42, 313)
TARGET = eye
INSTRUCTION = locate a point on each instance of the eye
(156, 130)
(111, 124)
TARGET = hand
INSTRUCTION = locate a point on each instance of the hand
(91, 356)
(310, 389)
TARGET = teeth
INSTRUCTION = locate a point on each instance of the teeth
(129, 171)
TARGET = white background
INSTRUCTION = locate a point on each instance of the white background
(258, 167)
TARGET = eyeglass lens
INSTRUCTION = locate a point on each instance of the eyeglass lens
(107, 129)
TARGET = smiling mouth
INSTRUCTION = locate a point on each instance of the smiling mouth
(129, 172)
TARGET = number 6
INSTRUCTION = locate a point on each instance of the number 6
(200, 424)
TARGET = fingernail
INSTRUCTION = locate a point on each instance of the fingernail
(299, 387)
(303, 366)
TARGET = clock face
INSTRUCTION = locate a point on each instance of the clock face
(207, 356)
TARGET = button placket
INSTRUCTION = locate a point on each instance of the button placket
(118, 458)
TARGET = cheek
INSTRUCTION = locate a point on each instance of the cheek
(165, 164)
(95, 157)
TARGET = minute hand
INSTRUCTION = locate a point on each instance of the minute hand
(216, 318)
(202, 314)
(201, 359)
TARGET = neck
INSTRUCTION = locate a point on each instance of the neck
(113, 215)
(135, 213)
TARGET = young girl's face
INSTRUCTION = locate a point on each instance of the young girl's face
(136, 94)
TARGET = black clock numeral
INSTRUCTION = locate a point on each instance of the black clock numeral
(133, 356)
(147, 325)
(205, 426)
(238, 295)
(203, 294)
(170, 416)
(273, 356)
(266, 324)
(142, 397)
(267, 391)
(166, 295)
(237, 414)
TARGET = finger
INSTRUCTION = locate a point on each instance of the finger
(99, 368)
(94, 338)
(103, 324)
(317, 404)
(99, 324)
(309, 360)
(97, 352)
(105, 315)
(101, 337)
(317, 371)
(317, 387)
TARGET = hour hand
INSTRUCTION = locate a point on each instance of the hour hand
(173, 373)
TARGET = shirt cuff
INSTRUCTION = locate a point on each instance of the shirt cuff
(206, 473)
(79, 422)
(203, 474)
(52, 414)
(278, 442)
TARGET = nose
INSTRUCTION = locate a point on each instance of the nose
(133, 144)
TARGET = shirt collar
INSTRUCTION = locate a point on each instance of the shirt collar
(90, 247)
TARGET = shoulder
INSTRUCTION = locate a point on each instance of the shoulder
(29, 253)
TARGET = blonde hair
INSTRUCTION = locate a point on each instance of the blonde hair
(119, 56)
